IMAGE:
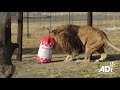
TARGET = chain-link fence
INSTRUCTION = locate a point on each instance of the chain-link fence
(36, 23)
(106, 20)
(43, 20)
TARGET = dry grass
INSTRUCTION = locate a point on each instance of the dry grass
(30, 68)
(38, 30)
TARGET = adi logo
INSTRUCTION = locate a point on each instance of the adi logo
(107, 69)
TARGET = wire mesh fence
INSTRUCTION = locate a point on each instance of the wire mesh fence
(36, 23)
(106, 19)
(43, 20)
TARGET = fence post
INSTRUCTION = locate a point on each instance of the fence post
(55, 16)
(28, 34)
(50, 19)
(105, 15)
(69, 17)
(89, 22)
(40, 18)
(19, 36)
(72, 17)
(89, 19)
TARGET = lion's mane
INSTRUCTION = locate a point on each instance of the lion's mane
(67, 37)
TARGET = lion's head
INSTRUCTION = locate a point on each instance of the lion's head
(66, 36)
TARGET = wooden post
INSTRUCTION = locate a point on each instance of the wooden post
(28, 24)
(89, 19)
(19, 36)
(7, 48)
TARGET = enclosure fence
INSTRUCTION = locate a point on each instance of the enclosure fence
(35, 24)
(43, 20)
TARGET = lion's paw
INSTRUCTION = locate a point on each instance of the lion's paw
(78, 61)
(68, 60)
(98, 60)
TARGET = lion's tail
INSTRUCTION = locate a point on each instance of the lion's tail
(110, 44)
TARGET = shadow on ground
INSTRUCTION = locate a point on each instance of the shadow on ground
(110, 57)
(113, 57)
(35, 51)
(59, 56)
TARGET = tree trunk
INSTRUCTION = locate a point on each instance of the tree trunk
(7, 48)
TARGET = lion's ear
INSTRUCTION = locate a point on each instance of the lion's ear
(48, 30)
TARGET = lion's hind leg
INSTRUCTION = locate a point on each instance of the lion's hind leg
(102, 53)
(88, 54)
(89, 49)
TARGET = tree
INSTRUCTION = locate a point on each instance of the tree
(7, 48)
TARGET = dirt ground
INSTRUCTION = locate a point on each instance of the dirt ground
(31, 68)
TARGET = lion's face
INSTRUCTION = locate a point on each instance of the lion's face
(54, 35)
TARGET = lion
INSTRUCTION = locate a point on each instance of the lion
(75, 39)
